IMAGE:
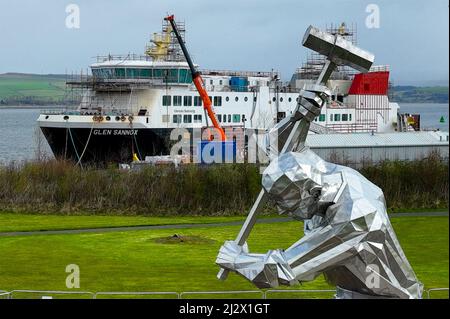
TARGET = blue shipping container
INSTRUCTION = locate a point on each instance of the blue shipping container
(239, 83)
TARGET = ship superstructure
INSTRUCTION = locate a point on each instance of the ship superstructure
(131, 103)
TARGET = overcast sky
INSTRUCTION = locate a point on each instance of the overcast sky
(227, 34)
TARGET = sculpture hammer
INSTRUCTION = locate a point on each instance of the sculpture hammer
(338, 51)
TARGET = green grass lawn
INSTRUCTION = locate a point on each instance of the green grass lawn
(138, 261)
(20, 222)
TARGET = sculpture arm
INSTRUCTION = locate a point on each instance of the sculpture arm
(264, 270)
(322, 248)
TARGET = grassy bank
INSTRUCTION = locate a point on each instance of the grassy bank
(32, 89)
(59, 187)
(141, 261)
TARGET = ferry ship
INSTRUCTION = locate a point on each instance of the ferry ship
(130, 104)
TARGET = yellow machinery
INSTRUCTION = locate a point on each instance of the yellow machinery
(161, 42)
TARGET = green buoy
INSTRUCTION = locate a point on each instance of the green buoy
(442, 120)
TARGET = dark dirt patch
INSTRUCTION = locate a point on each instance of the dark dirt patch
(181, 239)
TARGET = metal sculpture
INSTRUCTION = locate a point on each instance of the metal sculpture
(348, 236)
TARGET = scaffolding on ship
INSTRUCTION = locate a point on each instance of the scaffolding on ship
(313, 65)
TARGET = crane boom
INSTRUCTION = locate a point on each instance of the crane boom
(197, 79)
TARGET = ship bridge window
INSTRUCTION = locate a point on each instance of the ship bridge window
(350, 117)
(219, 117)
(217, 101)
(340, 98)
(197, 101)
(290, 99)
(187, 118)
(344, 117)
(177, 100)
(322, 118)
(176, 118)
(229, 118)
(187, 101)
(158, 73)
(184, 76)
(197, 118)
(119, 72)
(236, 118)
(171, 75)
(220, 82)
(132, 73)
(145, 73)
(104, 73)
(337, 117)
(166, 100)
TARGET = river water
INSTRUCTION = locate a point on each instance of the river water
(20, 139)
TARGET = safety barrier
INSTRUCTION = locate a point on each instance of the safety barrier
(435, 289)
(48, 294)
(261, 294)
(4, 294)
(129, 293)
(300, 291)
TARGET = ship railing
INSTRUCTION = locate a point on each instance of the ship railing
(88, 111)
(121, 81)
(59, 111)
(122, 57)
(240, 73)
(379, 68)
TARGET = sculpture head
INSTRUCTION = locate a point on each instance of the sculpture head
(294, 182)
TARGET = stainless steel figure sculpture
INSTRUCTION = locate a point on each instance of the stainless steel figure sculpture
(348, 236)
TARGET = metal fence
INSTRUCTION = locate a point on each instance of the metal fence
(49, 294)
(230, 293)
(429, 291)
(313, 294)
(115, 294)
(253, 294)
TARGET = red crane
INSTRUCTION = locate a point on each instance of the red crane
(197, 79)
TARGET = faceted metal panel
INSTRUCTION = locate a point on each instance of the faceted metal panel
(348, 236)
(337, 49)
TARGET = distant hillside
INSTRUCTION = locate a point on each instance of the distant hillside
(50, 89)
(32, 89)
(416, 94)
